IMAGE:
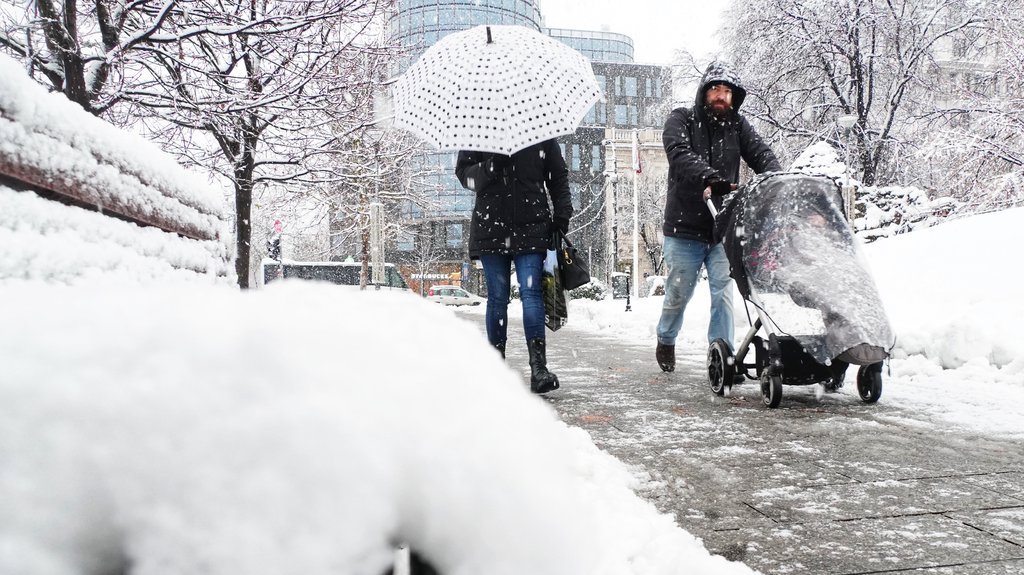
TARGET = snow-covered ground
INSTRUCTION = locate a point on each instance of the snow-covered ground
(301, 428)
(953, 296)
(308, 428)
(164, 426)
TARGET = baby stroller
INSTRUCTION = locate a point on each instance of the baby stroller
(795, 260)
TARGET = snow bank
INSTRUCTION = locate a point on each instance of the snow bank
(302, 428)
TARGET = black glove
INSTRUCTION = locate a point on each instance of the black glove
(560, 225)
(720, 187)
(498, 163)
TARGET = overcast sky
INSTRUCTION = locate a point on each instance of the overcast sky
(657, 26)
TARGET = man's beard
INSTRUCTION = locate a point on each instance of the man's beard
(720, 113)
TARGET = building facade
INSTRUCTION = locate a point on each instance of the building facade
(433, 246)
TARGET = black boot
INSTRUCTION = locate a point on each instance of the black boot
(541, 380)
(500, 346)
(666, 356)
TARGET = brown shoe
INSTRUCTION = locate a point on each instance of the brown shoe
(666, 355)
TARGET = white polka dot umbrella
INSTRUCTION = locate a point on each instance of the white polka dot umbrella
(495, 89)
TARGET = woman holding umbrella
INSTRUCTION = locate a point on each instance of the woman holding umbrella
(512, 223)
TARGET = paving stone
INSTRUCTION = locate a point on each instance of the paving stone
(982, 568)
(861, 546)
(823, 485)
(792, 504)
(1005, 523)
(1010, 483)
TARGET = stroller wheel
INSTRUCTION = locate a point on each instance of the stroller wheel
(721, 369)
(869, 382)
(771, 389)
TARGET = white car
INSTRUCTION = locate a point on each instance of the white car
(453, 295)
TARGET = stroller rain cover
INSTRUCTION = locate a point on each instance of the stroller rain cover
(794, 256)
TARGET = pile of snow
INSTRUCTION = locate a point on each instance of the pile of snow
(887, 210)
(822, 159)
(301, 428)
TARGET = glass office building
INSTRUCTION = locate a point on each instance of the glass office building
(633, 97)
(597, 46)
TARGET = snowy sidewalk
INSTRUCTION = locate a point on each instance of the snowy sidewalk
(821, 485)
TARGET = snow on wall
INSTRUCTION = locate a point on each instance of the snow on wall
(44, 240)
(50, 142)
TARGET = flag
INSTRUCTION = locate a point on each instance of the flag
(637, 165)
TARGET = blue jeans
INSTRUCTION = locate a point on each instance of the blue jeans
(497, 275)
(684, 259)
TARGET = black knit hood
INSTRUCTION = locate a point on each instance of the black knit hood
(722, 73)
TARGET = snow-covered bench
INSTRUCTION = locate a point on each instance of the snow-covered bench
(81, 199)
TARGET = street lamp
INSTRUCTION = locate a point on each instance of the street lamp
(847, 122)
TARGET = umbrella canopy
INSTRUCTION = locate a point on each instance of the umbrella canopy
(495, 89)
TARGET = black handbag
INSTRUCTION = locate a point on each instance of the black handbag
(571, 266)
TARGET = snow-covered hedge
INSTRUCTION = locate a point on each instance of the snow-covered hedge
(882, 211)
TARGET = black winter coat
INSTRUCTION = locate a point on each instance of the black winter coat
(700, 147)
(511, 214)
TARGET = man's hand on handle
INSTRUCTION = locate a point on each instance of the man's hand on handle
(717, 187)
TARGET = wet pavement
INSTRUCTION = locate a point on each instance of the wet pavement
(825, 484)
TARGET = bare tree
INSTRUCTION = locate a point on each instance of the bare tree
(976, 142)
(651, 191)
(80, 49)
(651, 188)
(258, 91)
(428, 250)
(806, 63)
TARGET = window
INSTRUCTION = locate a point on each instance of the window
(621, 118)
(454, 235)
(404, 242)
(595, 159)
(629, 83)
(575, 157)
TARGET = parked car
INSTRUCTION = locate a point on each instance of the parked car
(453, 295)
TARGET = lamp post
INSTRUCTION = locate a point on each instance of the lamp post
(629, 276)
(611, 174)
(847, 122)
(636, 213)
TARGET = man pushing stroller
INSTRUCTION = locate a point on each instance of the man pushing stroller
(704, 145)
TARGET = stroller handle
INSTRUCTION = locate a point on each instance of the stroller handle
(711, 206)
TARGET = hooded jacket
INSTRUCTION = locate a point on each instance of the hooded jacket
(511, 214)
(701, 147)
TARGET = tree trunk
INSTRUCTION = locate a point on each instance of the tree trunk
(243, 220)
(869, 164)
